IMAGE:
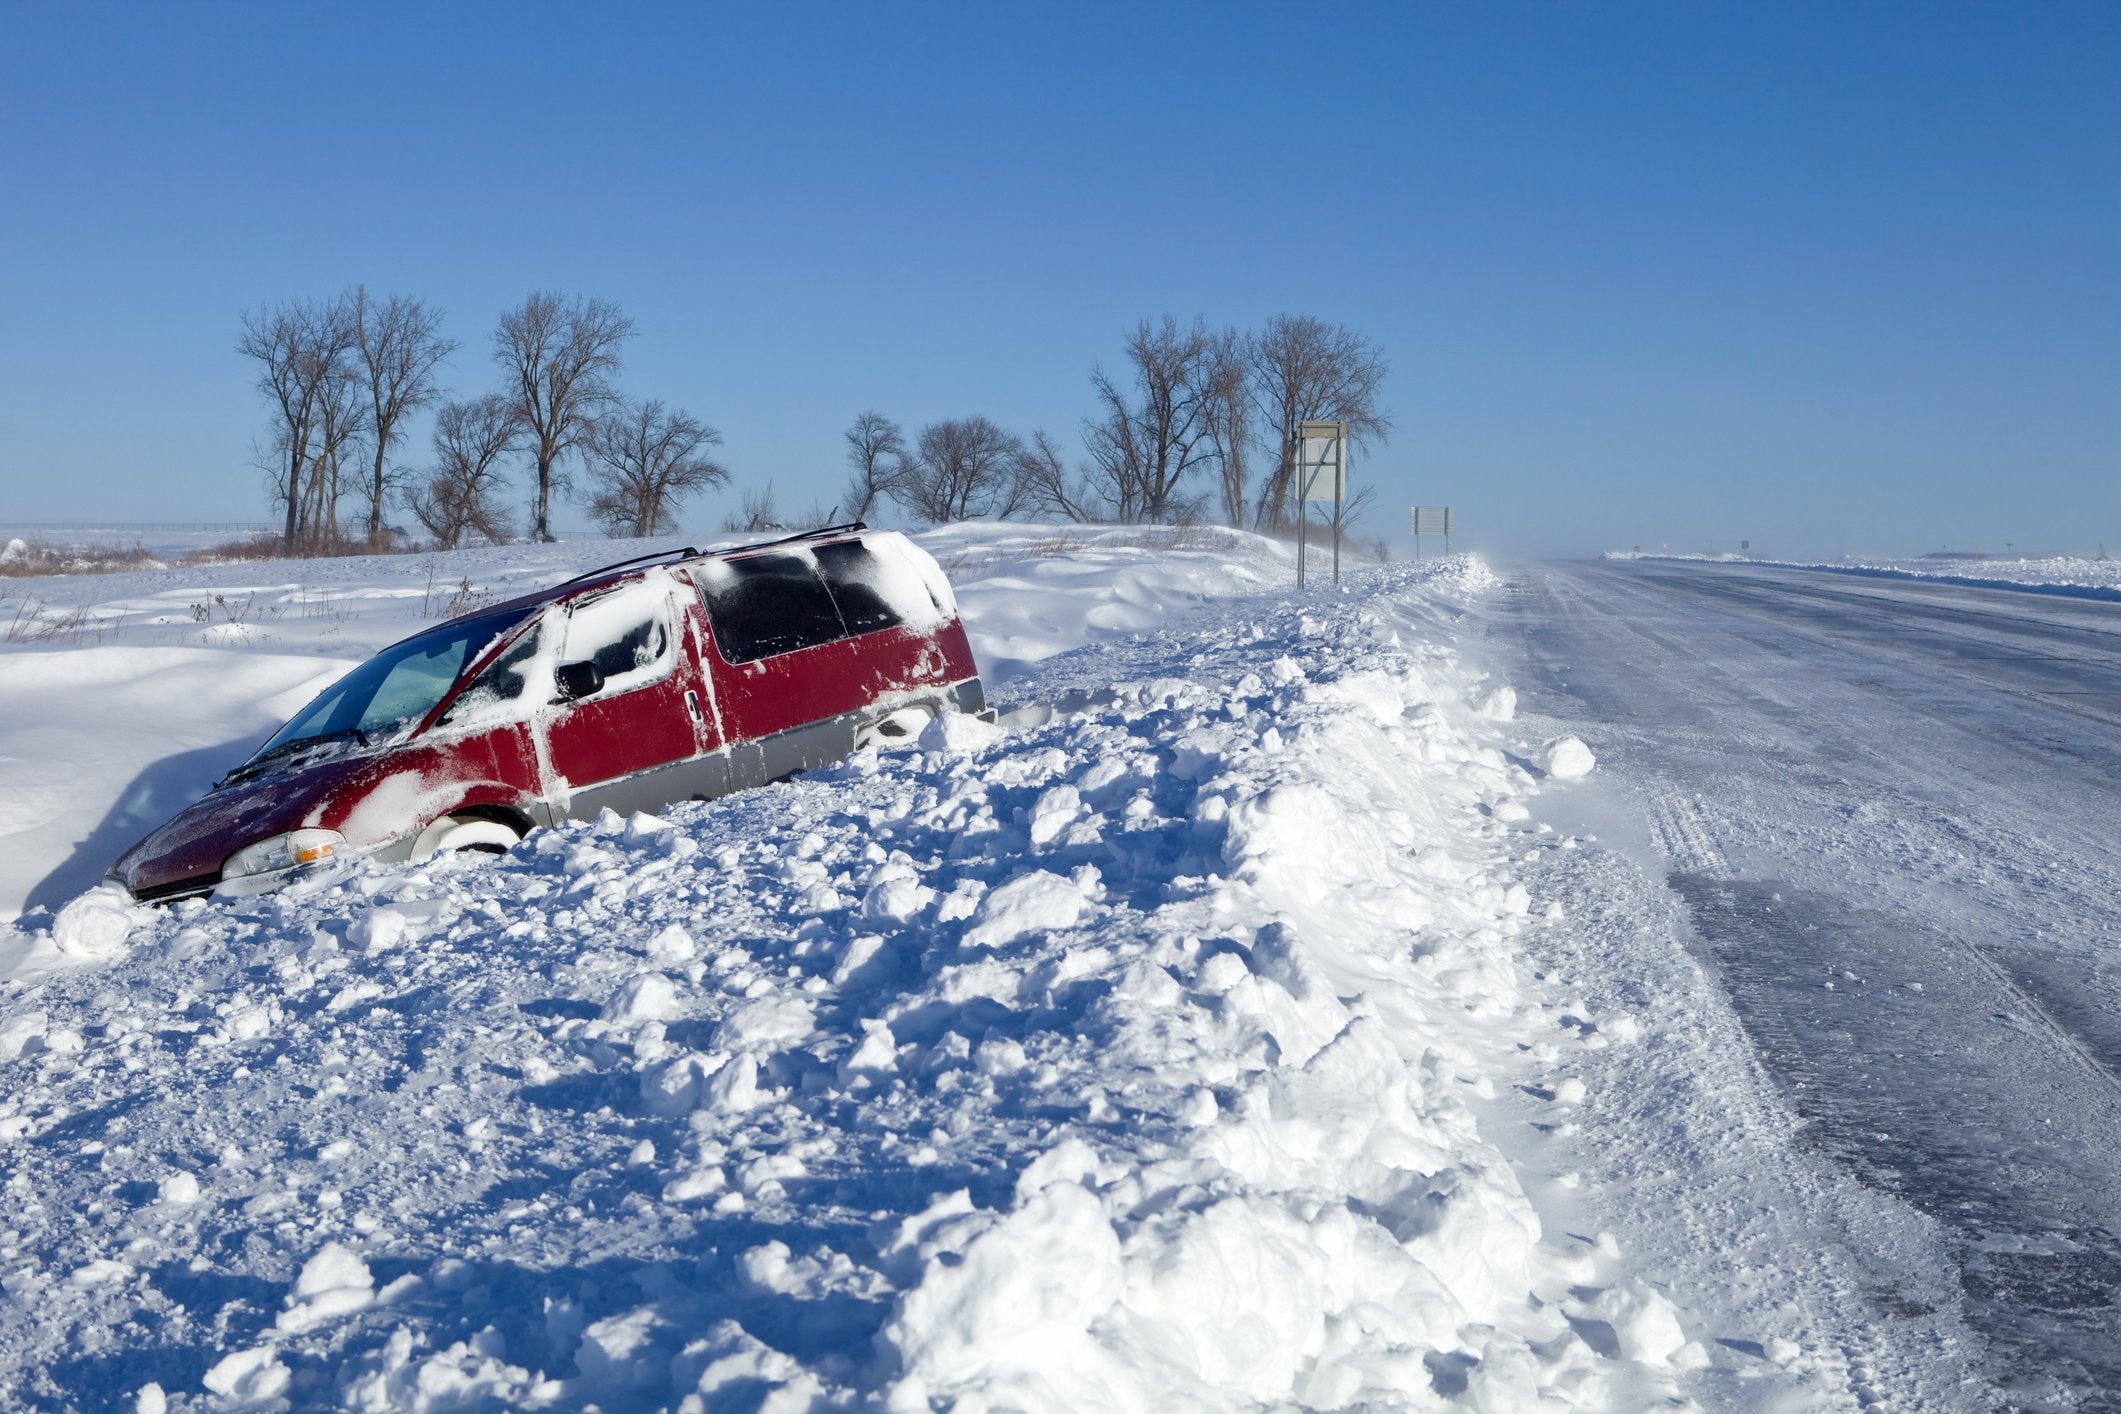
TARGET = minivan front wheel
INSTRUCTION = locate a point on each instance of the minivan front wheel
(454, 833)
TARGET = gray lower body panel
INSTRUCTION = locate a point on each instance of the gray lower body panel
(756, 762)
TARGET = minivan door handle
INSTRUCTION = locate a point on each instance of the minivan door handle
(692, 705)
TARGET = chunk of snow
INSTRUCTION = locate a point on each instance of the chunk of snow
(672, 946)
(1033, 902)
(94, 926)
(333, 1268)
(333, 1283)
(22, 1032)
(648, 997)
(1026, 1291)
(958, 733)
(1645, 1325)
(1569, 759)
(252, 1376)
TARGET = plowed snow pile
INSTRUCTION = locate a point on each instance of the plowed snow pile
(1123, 1055)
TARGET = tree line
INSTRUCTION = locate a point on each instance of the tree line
(1191, 423)
(341, 377)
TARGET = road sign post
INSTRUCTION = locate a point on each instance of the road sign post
(1321, 475)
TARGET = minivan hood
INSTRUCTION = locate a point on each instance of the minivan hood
(185, 855)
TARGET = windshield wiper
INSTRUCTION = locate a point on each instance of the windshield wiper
(285, 748)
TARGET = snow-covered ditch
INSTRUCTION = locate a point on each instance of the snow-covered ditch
(1138, 1052)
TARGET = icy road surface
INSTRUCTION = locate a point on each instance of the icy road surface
(1889, 812)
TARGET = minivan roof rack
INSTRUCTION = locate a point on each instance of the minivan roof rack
(689, 551)
(823, 530)
(684, 554)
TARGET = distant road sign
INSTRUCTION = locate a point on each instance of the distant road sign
(1432, 520)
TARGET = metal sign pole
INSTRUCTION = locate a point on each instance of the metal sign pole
(1296, 453)
(1321, 447)
(1340, 486)
(1336, 535)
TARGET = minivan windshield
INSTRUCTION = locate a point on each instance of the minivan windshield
(399, 685)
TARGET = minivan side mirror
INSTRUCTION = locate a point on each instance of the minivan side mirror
(577, 680)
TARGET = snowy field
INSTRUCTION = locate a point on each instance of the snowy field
(1237, 1024)
(2077, 576)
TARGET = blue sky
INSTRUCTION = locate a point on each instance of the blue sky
(1826, 278)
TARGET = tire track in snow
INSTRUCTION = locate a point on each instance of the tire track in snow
(1871, 1351)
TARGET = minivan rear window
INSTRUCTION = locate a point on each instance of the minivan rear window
(852, 572)
(767, 604)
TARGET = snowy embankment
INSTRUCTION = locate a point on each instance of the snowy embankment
(2072, 576)
(1129, 1054)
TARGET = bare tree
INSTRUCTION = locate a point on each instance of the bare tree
(298, 347)
(644, 459)
(876, 449)
(1228, 415)
(461, 494)
(1153, 430)
(961, 469)
(1110, 439)
(1044, 484)
(755, 512)
(1303, 369)
(342, 419)
(559, 355)
(397, 344)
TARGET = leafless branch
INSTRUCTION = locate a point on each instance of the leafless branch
(1303, 369)
(461, 492)
(961, 469)
(644, 458)
(559, 355)
(876, 450)
(755, 512)
(398, 344)
(300, 347)
(1044, 486)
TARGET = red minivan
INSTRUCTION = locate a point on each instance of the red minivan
(681, 676)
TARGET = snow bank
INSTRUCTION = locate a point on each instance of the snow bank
(1132, 1058)
(99, 745)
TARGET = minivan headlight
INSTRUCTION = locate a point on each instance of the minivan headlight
(283, 852)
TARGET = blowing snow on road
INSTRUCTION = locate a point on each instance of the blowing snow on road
(1612, 987)
(1885, 814)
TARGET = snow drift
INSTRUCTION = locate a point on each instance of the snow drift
(1129, 1054)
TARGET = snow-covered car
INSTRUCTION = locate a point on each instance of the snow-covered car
(675, 677)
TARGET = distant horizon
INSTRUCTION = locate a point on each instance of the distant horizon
(1402, 546)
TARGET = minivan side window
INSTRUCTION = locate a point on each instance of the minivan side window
(852, 572)
(766, 604)
(626, 633)
(499, 692)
